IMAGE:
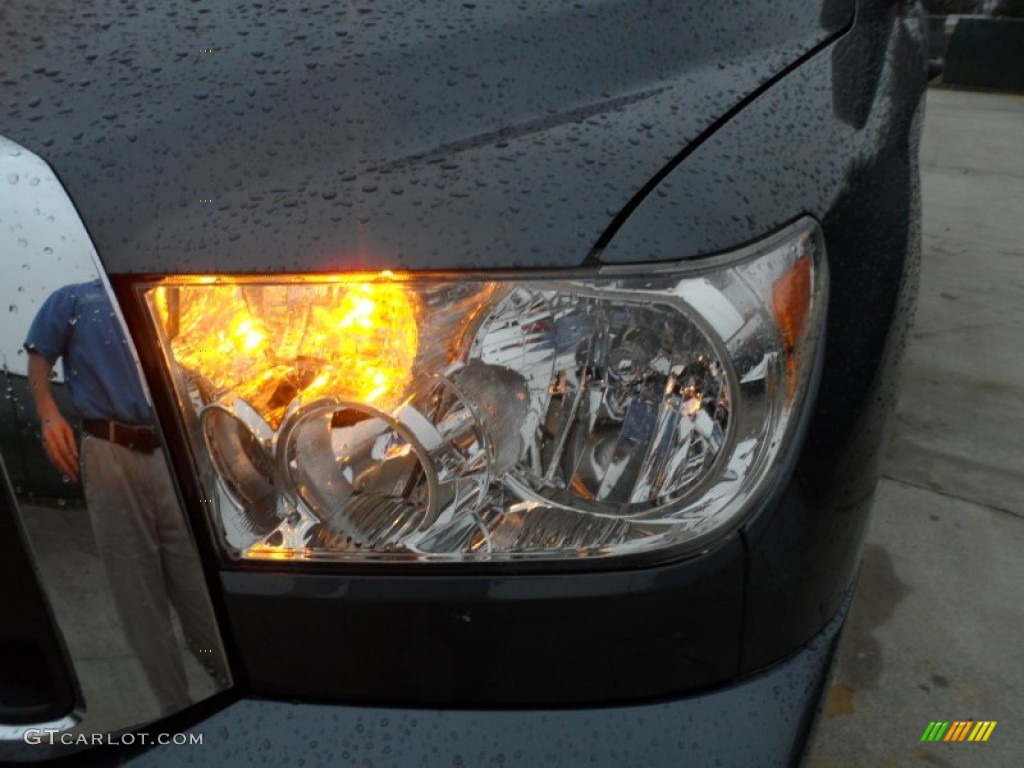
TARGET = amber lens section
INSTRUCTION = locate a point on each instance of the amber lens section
(791, 300)
(274, 344)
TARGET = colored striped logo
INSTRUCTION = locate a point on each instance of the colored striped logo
(958, 730)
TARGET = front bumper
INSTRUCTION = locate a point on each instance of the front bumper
(760, 721)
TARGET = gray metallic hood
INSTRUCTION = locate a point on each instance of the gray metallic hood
(207, 136)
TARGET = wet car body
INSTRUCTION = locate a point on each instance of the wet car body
(527, 137)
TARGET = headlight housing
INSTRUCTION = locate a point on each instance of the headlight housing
(493, 416)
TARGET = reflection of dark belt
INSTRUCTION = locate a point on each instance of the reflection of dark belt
(137, 438)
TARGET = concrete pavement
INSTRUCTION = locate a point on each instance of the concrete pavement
(937, 627)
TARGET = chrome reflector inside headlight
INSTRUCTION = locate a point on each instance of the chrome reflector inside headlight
(483, 416)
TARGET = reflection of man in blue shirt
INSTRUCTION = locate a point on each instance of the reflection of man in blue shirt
(98, 368)
(140, 531)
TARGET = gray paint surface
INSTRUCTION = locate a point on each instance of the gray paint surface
(563, 176)
(793, 149)
(385, 135)
(752, 725)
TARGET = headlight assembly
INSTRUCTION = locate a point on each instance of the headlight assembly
(493, 416)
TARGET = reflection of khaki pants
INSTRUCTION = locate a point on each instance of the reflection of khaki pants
(151, 563)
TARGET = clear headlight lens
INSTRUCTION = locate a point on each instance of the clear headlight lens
(482, 417)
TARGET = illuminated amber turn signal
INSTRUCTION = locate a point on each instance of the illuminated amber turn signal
(273, 344)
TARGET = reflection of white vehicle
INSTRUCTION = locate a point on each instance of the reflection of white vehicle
(487, 343)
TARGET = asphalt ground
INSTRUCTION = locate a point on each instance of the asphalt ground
(936, 632)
